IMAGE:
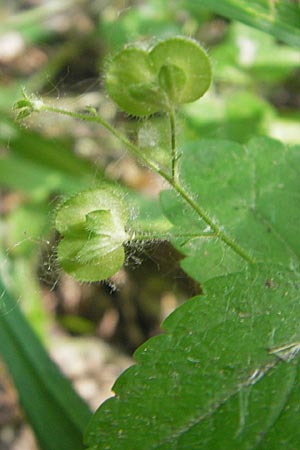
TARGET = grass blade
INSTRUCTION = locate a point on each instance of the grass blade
(56, 413)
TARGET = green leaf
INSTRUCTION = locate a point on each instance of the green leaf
(279, 18)
(33, 23)
(224, 376)
(92, 224)
(55, 412)
(24, 226)
(175, 71)
(39, 166)
(236, 116)
(154, 137)
(153, 19)
(251, 53)
(250, 190)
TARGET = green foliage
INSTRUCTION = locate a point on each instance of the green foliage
(56, 413)
(151, 19)
(29, 219)
(174, 71)
(213, 380)
(277, 17)
(246, 324)
(251, 53)
(38, 166)
(225, 374)
(236, 116)
(231, 225)
(251, 190)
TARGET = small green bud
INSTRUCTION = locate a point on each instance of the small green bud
(24, 108)
(27, 105)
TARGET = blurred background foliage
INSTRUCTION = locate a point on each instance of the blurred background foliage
(58, 50)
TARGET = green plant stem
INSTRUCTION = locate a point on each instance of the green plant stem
(93, 117)
(90, 117)
(213, 225)
(174, 156)
(144, 235)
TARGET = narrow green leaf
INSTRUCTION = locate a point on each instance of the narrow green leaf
(223, 376)
(40, 166)
(56, 413)
(279, 18)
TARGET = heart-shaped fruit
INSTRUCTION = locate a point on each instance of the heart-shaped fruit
(92, 224)
(175, 71)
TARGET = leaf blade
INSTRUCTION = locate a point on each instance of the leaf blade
(279, 19)
(251, 190)
(216, 347)
(56, 413)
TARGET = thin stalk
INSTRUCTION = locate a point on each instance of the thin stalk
(213, 225)
(144, 235)
(174, 156)
(91, 117)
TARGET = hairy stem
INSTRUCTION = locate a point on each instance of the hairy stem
(174, 156)
(144, 235)
(213, 225)
(216, 229)
(93, 117)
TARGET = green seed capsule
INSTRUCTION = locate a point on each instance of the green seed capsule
(175, 71)
(92, 225)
